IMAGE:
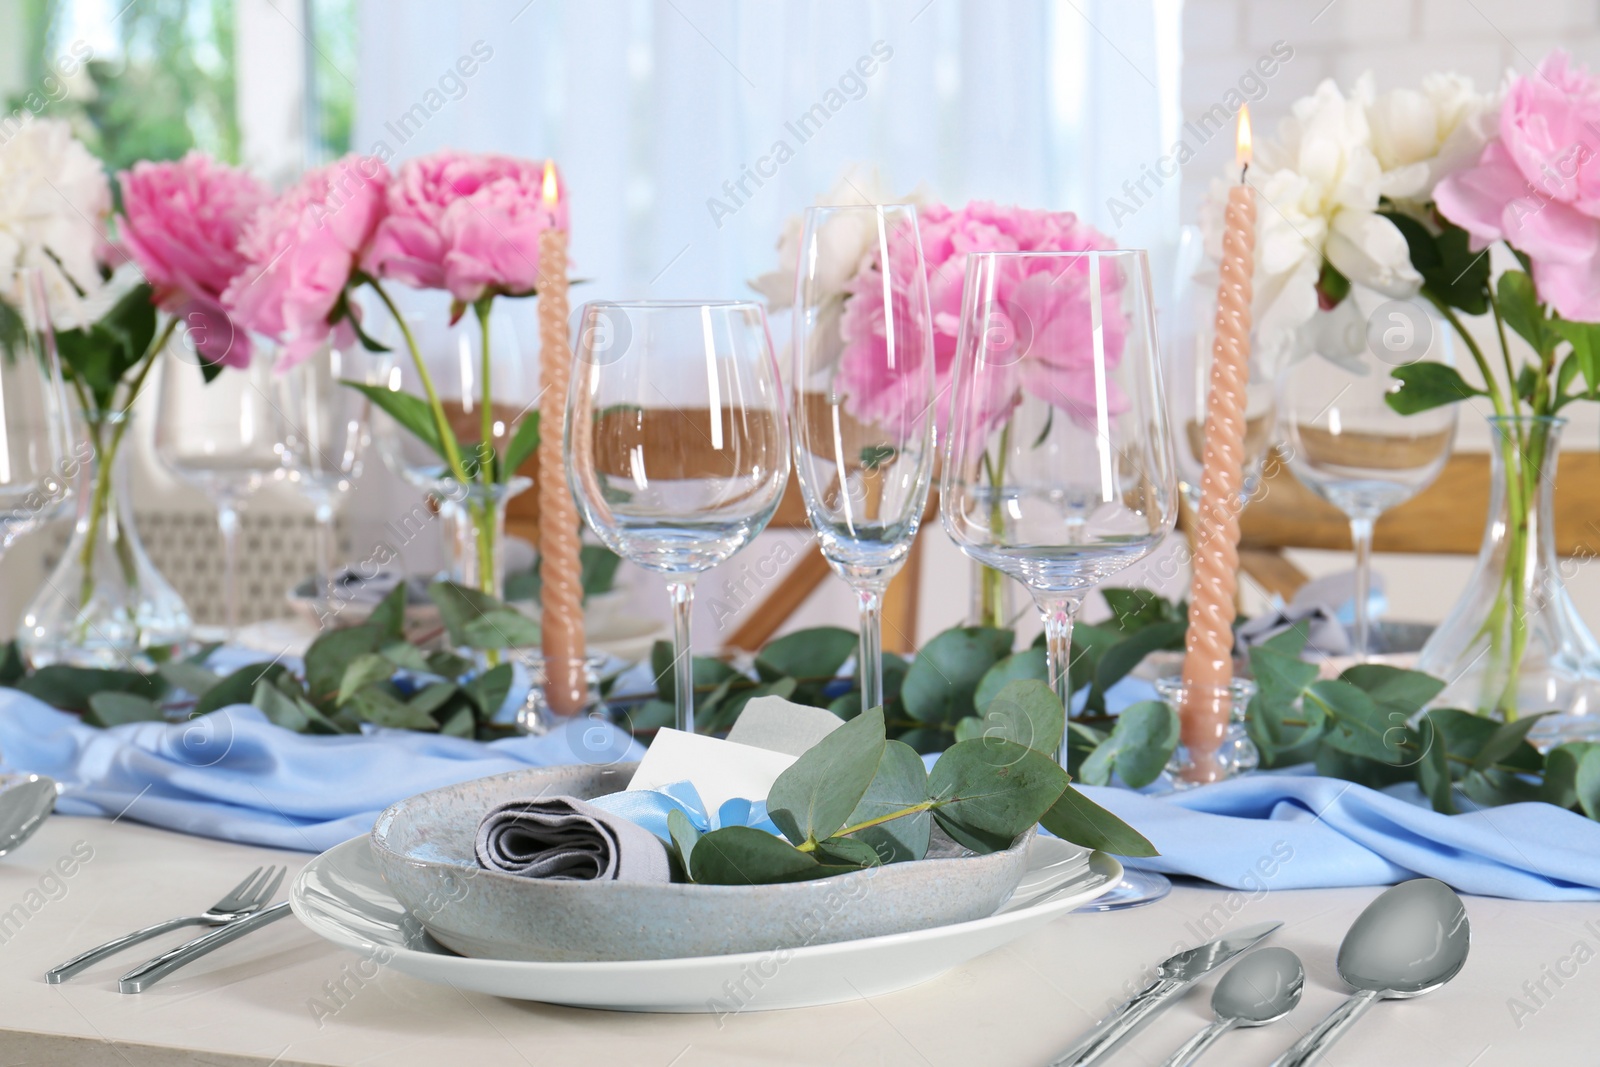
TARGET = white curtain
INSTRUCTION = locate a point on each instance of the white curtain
(662, 112)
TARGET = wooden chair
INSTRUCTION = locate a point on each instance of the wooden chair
(805, 574)
(1447, 518)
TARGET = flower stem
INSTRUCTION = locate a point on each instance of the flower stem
(447, 439)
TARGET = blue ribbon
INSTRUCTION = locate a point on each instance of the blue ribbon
(650, 808)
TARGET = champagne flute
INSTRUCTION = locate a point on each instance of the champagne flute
(325, 437)
(223, 437)
(863, 407)
(1342, 440)
(37, 460)
(1059, 467)
(677, 442)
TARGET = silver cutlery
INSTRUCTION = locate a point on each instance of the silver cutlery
(1174, 975)
(25, 800)
(1410, 941)
(246, 898)
(1259, 989)
(152, 971)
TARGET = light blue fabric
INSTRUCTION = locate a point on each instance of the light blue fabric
(650, 808)
(234, 775)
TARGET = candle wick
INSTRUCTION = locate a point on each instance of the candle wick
(1244, 170)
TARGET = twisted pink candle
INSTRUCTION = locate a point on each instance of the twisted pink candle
(1208, 659)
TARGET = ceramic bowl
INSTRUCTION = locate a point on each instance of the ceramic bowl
(424, 848)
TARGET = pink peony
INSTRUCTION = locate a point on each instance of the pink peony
(181, 222)
(302, 249)
(1538, 186)
(1043, 301)
(466, 222)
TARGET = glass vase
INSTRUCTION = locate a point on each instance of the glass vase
(105, 604)
(1514, 644)
(475, 530)
(995, 599)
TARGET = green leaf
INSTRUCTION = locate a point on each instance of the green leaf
(447, 664)
(1140, 745)
(1358, 726)
(238, 687)
(378, 706)
(901, 782)
(684, 837)
(287, 710)
(1519, 306)
(111, 708)
(69, 688)
(1028, 712)
(1089, 643)
(847, 852)
(188, 676)
(743, 855)
(524, 442)
(1116, 662)
(1076, 818)
(811, 800)
(11, 666)
(1433, 769)
(1393, 689)
(489, 690)
(330, 654)
(1452, 271)
(814, 653)
(475, 619)
(599, 566)
(366, 669)
(1029, 663)
(411, 412)
(1374, 774)
(721, 709)
(406, 656)
(708, 673)
(1505, 741)
(1425, 385)
(1561, 764)
(990, 790)
(1585, 358)
(430, 698)
(1586, 783)
(389, 617)
(942, 680)
(458, 720)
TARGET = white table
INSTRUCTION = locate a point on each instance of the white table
(282, 996)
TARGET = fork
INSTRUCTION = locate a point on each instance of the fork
(246, 898)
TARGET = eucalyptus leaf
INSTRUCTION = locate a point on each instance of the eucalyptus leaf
(488, 691)
(366, 669)
(811, 800)
(991, 790)
(684, 837)
(847, 852)
(190, 677)
(1560, 785)
(69, 688)
(1029, 663)
(1586, 783)
(901, 782)
(475, 619)
(743, 855)
(389, 617)
(813, 653)
(330, 655)
(238, 687)
(113, 708)
(942, 680)
(1076, 818)
(382, 708)
(1139, 748)
(1359, 726)
(1028, 712)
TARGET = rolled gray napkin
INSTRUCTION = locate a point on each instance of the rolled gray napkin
(565, 839)
(1325, 635)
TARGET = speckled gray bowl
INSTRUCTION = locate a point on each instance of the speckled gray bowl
(424, 847)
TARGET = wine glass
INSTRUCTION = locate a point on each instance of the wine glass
(1342, 440)
(1186, 363)
(37, 459)
(677, 442)
(1059, 467)
(223, 437)
(863, 407)
(325, 437)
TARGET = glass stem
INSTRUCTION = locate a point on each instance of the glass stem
(228, 524)
(1058, 612)
(682, 594)
(326, 563)
(1361, 541)
(869, 654)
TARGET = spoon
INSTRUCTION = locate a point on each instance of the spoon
(1261, 988)
(25, 799)
(1410, 941)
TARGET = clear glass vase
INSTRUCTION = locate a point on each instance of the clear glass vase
(475, 530)
(996, 599)
(105, 604)
(1514, 644)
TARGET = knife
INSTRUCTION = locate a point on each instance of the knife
(1174, 976)
(150, 972)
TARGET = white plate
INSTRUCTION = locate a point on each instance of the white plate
(341, 896)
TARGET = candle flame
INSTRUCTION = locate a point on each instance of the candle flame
(551, 192)
(1242, 144)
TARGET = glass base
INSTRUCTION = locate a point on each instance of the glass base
(1136, 889)
(536, 717)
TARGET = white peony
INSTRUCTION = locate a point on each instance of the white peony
(1318, 185)
(54, 203)
(1420, 136)
(843, 242)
